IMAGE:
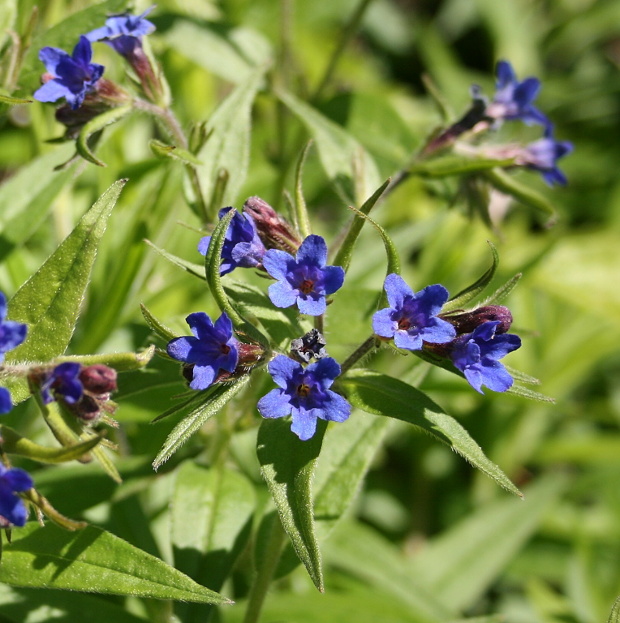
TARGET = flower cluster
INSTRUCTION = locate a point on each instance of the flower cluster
(84, 390)
(79, 81)
(474, 341)
(12, 334)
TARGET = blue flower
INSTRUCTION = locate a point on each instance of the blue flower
(211, 349)
(304, 280)
(304, 393)
(477, 355)
(63, 382)
(73, 76)
(12, 334)
(5, 400)
(412, 318)
(123, 32)
(12, 507)
(542, 155)
(242, 246)
(513, 99)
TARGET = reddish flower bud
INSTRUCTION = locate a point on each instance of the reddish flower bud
(274, 231)
(98, 379)
(466, 322)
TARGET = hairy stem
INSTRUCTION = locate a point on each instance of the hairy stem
(363, 349)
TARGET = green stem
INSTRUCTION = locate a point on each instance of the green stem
(363, 349)
(348, 33)
(173, 127)
(264, 573)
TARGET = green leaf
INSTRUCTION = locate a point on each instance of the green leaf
(522, 193)
(338, 151)
(461, 564)
(49, 302)
(228, 147)
(196, 418)
(13, 101)
(212, 511)
(451, 165)
(287, 465)
(343, 257)
(94, 561)
(161, 150)
(97, 124)
(121, 362)
(234, 55)
(157, 327)
(502, 292)
(472, 291)
(197, 270)
(26, 197)
(383, 395)
(14, 443)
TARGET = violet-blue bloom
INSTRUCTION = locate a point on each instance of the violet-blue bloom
(123, 32)
(63, 382)
(477, 355)
(12, 333)
(513, 99)
(412, 318)
(305, 279)
(542, 155)
(211, 349)
(74, 76)
(12, 507)
(304, 393)
(242, 246)
(6, 403)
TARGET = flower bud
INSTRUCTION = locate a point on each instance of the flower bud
(98, 379)
(466, 322)
(274, 231)
(312, 344)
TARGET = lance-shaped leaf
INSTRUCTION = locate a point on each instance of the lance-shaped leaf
(49, 302)
(13, 101)
(93, 561)
(228, 147)
(193, 269)
(469, 293)
(14, 443)
(156, 326)
(121, 362)
(338, 151)
(161, 150)
(384, 395)
(212, 511)
(287, 465)
(97, 124)
(196, 418)
(448, 166)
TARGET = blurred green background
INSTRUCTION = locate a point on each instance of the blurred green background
(426, 521)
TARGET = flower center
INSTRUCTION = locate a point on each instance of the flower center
(224, 349)
(306, 286)
(404, 324)
(303, 390)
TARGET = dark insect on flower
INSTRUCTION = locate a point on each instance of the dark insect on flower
(72, 77)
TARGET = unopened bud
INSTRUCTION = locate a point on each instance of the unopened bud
(303, 349)
(466, 322)
(98, 379)
(274, 231)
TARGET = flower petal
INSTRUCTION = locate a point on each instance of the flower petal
(284, 369)
(313, 251)
(333, 278)
(304, 423)
(5, 400)
(277, 263)
(12, 507)
(18, 479)
(275, 404)
(282, 293)
(382, 323)
(312, 304)
(203, 377)
(201, 325)
(50, 57)
(396, 290)
(51, 91)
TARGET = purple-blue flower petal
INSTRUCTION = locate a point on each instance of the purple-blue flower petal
(304, 423)
(333, 278)
(202, 377)
(50, 57)
(275, 404)
(313, 251)
(282, 294)
(312, 304)
(6, 403)
(200, 324)
(277, 263)
(396, 290)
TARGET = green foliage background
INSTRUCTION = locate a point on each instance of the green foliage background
(430, 539)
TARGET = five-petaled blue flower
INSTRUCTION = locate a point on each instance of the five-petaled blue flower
(304, 393)
(513, 99)
(12, 334)
(12, 507)
(123, 32)
(476, 354)
(242, 246)
(211, 349)
(542, 156)
(74, 76)
(412, 318)
(303, 279)
(63, 382)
